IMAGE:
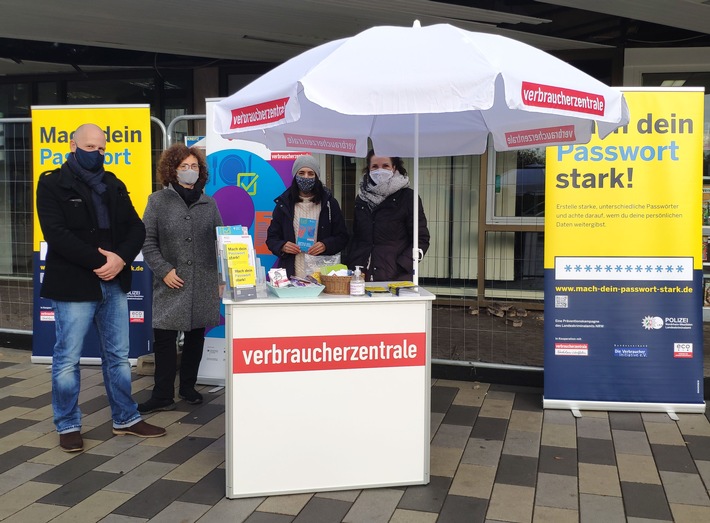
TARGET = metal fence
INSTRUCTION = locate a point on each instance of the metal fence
(16, 225)
(459, 335)
(17, 217)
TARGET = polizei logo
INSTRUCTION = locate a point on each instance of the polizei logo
(652, 323)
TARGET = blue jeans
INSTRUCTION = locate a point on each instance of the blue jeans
(72, 322)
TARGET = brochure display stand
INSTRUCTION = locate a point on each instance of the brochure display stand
(327, 393)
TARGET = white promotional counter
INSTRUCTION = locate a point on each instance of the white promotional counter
(327, 393)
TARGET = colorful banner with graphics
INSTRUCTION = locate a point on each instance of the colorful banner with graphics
(623, 263)
(128, 156)
(245, 179)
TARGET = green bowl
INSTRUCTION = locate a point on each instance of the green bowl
(296, 292)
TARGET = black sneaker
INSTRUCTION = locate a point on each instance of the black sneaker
(191, 396)
(154, 405)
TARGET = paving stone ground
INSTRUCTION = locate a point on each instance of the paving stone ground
(496, 456)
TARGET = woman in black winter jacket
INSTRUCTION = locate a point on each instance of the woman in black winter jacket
(382, 238)
(307, 202)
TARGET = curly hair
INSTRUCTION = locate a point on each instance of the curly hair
(172, 157)
(397, 163)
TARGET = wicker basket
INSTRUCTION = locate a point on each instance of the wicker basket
(336, 284)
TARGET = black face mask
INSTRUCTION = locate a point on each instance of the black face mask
(92, 161)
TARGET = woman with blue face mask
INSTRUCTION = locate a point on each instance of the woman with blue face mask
(383, 222)
(306, 220)
(181, 224)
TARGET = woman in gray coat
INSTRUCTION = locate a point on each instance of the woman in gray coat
(179, 248)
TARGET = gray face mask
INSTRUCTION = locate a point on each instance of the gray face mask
(188, 177)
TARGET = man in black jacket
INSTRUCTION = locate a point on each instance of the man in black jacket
(93, 233)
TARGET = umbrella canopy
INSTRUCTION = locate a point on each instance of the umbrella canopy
(420, 91)
(448, 87)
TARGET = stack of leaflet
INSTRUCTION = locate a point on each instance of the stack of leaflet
(237, 262)
(377, 291)
(403, 288)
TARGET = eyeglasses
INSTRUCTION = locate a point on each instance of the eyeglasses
(188, 166)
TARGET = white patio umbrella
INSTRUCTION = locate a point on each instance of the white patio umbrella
(420, 92)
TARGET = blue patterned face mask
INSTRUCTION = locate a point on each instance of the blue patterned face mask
(305, 184)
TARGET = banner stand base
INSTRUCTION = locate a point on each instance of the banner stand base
(668, 408)
(206, 380)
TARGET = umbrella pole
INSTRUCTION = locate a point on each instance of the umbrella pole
(415, 205)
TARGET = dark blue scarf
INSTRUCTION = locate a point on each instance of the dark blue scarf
(95, 181)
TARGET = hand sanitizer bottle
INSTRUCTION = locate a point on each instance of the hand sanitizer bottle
(357, 283)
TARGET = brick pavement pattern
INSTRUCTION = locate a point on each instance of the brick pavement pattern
(496, 456)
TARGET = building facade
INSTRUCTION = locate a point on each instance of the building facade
(485, 213)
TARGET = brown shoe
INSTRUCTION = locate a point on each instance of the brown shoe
(71, 442)
(142, 430)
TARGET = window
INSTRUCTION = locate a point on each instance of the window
(688, 79)
(673, 67)
(516, 191)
